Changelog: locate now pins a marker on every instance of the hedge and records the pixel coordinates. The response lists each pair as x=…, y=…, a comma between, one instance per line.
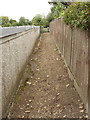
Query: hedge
x=78, y=15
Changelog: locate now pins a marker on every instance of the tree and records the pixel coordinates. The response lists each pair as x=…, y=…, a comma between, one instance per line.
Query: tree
x=4, y=21
x=37, y=20
x=13, y=22
x=24, y=21
x=30, y=23
x=44, y=22
x=7, y=25
x=27, y=22
x=49, y=17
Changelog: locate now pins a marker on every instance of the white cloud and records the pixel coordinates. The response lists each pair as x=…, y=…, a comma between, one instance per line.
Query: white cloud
x=27, y=8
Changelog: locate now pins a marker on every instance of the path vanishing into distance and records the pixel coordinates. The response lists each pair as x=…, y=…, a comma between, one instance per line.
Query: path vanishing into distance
x=48, y=91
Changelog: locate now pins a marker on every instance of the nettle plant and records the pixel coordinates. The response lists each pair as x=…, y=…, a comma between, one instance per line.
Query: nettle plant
x=78, y=15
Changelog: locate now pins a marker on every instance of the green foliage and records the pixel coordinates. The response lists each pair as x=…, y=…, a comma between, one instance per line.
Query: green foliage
x=4, y=21
x=44, y=22
x=7, y=25
x=78, y=15
x=37, y=20
x=23, y=21
x=44, y=30
x=57, y=11
x=49, y=17
x=13, y=22
x=40, y=20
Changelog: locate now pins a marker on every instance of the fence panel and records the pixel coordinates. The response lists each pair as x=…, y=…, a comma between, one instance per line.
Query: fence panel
x=73, y=45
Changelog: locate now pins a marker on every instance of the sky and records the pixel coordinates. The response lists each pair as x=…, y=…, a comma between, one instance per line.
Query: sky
x=26, y=8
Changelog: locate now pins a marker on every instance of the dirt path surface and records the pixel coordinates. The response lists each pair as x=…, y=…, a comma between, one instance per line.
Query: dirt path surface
x=48, y=92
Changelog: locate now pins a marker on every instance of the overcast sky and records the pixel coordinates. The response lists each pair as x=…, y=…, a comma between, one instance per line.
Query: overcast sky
x=28, y=8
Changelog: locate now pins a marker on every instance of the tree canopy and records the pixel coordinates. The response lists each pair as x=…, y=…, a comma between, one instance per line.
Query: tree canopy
x=40, y=20
x=6, y=22
x=24, y=21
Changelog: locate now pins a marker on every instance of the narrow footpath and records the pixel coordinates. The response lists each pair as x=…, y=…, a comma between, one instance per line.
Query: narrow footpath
x=48, y=91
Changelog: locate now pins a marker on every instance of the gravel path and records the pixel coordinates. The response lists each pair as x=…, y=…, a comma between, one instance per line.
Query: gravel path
x=48, y=92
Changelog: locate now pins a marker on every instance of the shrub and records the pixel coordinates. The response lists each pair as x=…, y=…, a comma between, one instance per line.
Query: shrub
x=57, y=11
x=78, y=15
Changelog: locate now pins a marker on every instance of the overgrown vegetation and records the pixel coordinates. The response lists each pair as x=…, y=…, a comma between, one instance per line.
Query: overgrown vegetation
x=78, y=15
x=40, y=20
x=58, y=10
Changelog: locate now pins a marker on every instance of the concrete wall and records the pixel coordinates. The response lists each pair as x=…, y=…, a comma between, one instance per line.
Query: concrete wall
x=14, y=52
x=74, y=47
x=0, y=81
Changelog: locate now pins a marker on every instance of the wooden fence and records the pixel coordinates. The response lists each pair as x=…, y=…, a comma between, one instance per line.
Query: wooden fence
x=74, y=47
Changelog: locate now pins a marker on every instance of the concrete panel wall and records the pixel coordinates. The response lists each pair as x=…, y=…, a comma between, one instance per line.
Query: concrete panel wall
x=6, y=31
x=14, y=52
x=73, y=45
x=0, y=82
